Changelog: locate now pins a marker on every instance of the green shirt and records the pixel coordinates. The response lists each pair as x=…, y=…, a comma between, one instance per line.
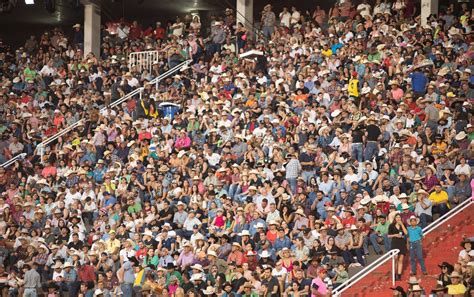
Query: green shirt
x=382, y=229
x=136, y=208
x=29, y=74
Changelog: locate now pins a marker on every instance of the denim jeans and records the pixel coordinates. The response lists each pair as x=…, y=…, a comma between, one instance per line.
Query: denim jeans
x=307, y=175
x=357, y=150
x=347, y=256
x=441, y=208
x=267, y=31
x=425, y=220
x=416, y=251
x=359, y=253
x=234, y=190
x=371, y=150
x=386, y=242
x=293, y=184
x=127, y=290
x=30, y=292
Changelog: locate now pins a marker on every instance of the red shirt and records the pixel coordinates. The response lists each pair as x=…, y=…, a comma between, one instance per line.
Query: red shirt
x=140, y=254
x=159, y=33
x=349, y=221
x=86, y=273
x=135, y=32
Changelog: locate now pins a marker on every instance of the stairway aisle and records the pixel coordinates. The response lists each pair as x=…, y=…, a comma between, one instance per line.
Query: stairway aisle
x=442, y=244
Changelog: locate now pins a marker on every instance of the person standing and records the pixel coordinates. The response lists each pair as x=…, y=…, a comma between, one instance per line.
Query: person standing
x=32, y=281
x=397, y=232
x=268, y=21
x=415, y=235
x=293, y=169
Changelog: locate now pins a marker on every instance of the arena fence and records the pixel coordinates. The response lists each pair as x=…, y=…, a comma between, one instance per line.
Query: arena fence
x=143, y=60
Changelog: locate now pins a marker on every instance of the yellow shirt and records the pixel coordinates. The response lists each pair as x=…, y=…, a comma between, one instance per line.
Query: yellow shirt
x=353, y=88
x=112, y=245
x=439, y=197
x=327, y=52
x=456, y=289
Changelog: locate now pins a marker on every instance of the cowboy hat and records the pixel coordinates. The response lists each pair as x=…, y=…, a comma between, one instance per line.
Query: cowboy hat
x=209, y=290
x=300, y=212
x=421, y=192
x=455, y=274
x=460, y=136
x=416, y=288
x=414, y=218
x=413, y=280
x=197, y=267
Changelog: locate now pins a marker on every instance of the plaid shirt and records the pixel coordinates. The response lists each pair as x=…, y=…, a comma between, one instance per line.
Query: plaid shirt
x=293, y=168
x=41, y=259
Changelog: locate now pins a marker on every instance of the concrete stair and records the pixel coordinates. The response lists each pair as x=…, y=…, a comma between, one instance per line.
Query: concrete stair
x=442, y=244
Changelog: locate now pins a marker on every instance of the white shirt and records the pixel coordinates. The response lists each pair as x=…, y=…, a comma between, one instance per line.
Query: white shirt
x=285, y=18
x=69, y=198
x=463, y=168
x=213, y=159
x=295, y=17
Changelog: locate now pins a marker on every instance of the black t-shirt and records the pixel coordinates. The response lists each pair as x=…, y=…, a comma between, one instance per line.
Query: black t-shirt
x=166, y=212
x=78, y=245
x=271, y=284
x=305, y=157
x=357, y=135
x=304, y=282
x=373, y=132
x=238, y=283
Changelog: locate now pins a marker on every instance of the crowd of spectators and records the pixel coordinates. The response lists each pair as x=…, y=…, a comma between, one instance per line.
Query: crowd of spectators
x=338, y=134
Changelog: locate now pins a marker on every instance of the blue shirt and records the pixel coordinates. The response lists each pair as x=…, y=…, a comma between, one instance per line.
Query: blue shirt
x=418, y=81
x=281, y=243
x=415, y=234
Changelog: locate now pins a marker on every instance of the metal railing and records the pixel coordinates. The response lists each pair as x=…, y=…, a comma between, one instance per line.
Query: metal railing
x=13, y=160
x=368, y=269
x=135, y=92
x=460, y=207
x=143, y=60
x=384, y=258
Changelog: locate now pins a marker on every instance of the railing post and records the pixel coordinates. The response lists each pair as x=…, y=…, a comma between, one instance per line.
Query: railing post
x=393, y=269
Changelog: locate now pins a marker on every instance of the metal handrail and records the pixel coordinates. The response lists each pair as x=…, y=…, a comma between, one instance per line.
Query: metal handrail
x=460, y=207
x=13, y=160
x=116, y=102
x=383, y=259
x=71, y=127
x=368, y=269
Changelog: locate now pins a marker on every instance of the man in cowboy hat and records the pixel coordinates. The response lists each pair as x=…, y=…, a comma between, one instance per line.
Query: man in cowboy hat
x=423, y=208
x=456, y=288
x=439, y=198
x=415, y=236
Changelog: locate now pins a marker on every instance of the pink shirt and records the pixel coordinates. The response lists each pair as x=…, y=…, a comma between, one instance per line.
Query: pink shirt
x=322, y=287
x=183, y=142
x=397, y=94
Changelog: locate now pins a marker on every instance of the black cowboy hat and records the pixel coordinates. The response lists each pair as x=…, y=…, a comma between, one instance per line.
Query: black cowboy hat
x=466, y=240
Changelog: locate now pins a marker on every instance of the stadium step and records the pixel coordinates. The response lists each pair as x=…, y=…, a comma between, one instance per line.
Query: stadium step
x=442, y=244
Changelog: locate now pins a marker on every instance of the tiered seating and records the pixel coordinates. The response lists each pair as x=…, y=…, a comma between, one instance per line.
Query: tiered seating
x=442, y=244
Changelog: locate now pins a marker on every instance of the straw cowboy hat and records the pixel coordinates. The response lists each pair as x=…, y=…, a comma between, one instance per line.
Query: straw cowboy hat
x=416, y=288
x=455, y=274
x=209, y=290
x=413, y=280
x=300, y=212
x=414, y=218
